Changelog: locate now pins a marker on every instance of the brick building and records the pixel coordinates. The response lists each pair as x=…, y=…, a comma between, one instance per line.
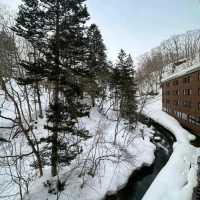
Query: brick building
x=181, y=97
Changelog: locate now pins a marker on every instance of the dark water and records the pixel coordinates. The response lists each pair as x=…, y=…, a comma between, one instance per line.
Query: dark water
x=141, y=179
x=196, y=142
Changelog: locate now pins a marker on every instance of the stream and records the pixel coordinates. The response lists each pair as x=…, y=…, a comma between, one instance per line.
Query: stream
x=141, y=179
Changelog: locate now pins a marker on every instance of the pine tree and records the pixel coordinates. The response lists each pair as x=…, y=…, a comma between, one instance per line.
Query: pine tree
x=96, y=62
x=118, y=79
x=130, y=89
x=55, y=28
x=127, y=87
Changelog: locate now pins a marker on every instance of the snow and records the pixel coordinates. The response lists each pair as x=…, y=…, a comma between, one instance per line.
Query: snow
x=179, y=176
x=183, y=72
x=114, y=171
x=153, y=109
x=130, y=152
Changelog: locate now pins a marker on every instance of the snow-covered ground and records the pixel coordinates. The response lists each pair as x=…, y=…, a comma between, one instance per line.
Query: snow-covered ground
x=178, y=178
x=131, y=150
x=115, y=162
x=10, y=175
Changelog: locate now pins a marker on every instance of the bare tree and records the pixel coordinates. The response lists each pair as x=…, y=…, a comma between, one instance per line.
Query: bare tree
x=21, y=122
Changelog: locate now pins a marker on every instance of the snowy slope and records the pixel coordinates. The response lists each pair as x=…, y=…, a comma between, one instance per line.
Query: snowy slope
x=9, y=185
x=113, y=173
x=117, y=161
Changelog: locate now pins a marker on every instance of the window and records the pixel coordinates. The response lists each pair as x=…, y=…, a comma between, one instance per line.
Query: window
x=168, y=84
x=195, y=120
x=175, y=82
x=199, y=91
x=177, y=92
x=189, y=119
x=184, y=116
x=187, y=79
x=198, y=120
x=199, y=106
x=179, y=114
x=163, y=92
x=187, y=104
x=175, y=103
x=187, y=91
x=199, y=76
x=168, y=101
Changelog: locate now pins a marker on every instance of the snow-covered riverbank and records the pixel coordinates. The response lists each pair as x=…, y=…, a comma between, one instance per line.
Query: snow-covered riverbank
x=113, y=173
x=178, y=178
x=117, y=161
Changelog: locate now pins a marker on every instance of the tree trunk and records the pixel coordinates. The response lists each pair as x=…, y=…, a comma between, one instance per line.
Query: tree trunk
x=39, y=100
x=54, y=150
x=54, y=156
x=93, y=101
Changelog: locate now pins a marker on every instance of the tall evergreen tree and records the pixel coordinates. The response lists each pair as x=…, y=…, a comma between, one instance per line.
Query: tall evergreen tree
x=96, y=62
x=127, y=86
x=56, y=28
x=129, y=89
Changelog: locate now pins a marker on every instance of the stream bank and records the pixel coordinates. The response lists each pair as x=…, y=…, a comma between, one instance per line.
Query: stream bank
x=141, y=179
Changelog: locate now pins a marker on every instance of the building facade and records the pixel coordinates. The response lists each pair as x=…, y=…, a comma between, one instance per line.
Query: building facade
x=181, y=98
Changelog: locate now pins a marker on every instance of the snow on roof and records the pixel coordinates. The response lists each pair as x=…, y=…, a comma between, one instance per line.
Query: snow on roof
x=189, y=70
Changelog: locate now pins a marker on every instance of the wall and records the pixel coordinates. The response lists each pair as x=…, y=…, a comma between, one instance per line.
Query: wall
x=181, y=99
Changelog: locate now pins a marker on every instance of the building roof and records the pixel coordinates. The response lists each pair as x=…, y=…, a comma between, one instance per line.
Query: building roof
x=183, y=72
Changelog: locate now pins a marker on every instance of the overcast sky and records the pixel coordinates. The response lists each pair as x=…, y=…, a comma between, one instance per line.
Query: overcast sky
x=139, y=25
